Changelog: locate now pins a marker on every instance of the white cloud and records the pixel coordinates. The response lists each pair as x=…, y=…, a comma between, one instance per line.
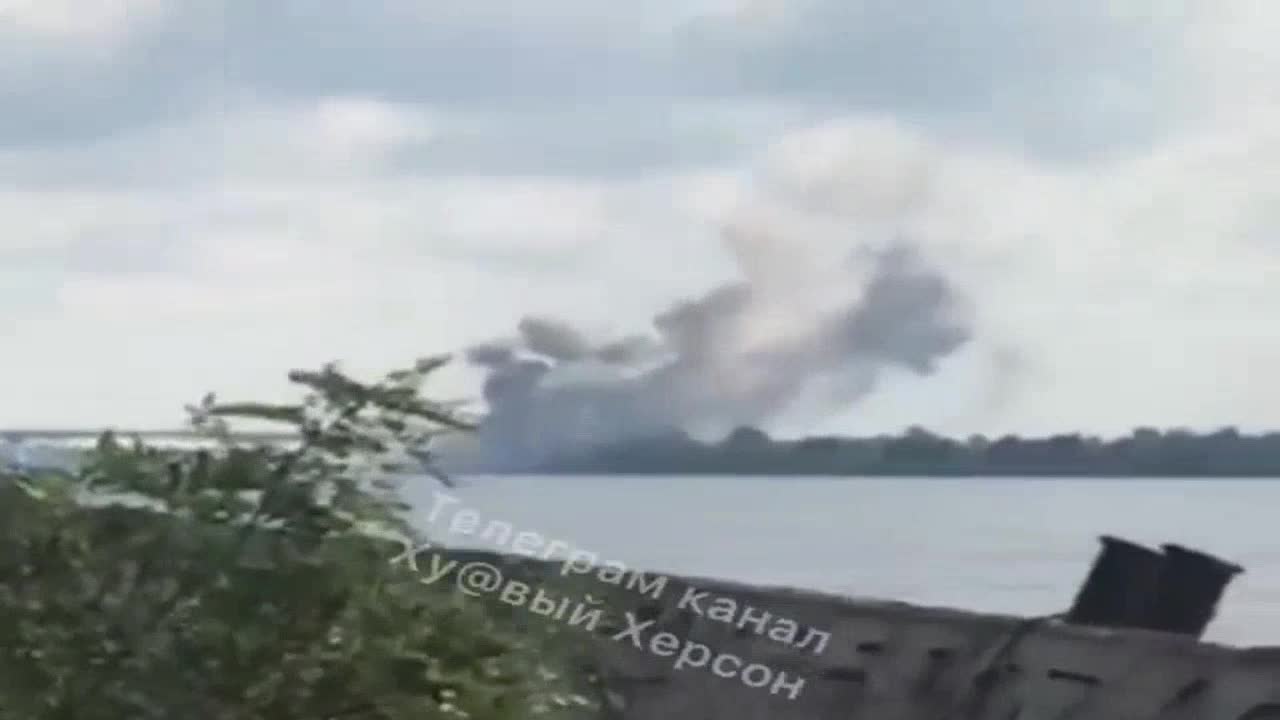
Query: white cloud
x=75, y=21
x=1132, y=286
x=367, y=125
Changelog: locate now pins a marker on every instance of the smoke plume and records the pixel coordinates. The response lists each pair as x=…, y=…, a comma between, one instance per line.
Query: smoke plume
x=741, y=354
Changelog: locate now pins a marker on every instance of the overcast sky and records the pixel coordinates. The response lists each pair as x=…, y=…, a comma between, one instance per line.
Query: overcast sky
x=202, y=194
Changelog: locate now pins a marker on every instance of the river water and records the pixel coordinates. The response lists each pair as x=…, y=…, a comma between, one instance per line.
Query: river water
x=999, y=545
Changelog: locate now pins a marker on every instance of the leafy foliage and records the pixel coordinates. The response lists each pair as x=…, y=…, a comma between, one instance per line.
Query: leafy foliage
x=252, y=581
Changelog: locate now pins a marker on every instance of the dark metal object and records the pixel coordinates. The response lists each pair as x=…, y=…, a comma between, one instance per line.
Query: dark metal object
x=1191, y=584
x=1120, y=587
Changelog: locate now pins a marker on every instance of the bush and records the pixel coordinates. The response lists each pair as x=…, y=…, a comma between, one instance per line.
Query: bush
x=252, y=580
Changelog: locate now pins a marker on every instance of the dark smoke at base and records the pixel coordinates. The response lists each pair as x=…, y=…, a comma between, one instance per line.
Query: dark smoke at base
x=553, y=393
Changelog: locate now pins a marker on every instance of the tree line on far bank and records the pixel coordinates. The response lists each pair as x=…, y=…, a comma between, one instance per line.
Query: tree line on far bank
x=1146, y=452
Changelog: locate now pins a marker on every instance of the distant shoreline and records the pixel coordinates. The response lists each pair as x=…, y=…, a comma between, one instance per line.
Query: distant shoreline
x=1145, y=453
x=871, y=476
x=916, y=453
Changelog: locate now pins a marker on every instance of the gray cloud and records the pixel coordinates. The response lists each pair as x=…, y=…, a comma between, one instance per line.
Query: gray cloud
x=554, y=339
x=58, y=93
x=632, y=350
x=1062, y=78
x=547, y=393
x=1060, y=75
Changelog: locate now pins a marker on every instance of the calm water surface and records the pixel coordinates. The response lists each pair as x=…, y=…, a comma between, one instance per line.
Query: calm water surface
x=999, y=545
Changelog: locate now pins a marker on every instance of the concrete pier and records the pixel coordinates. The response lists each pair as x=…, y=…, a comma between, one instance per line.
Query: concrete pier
x=892, y=661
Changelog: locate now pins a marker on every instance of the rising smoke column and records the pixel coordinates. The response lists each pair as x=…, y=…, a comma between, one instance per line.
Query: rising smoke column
x=706, y=367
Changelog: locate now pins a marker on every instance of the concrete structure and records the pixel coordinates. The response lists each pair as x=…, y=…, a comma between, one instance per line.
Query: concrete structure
x=892, y=661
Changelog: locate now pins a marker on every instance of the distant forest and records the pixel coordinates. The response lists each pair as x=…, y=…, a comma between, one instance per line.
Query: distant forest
x=917, y=452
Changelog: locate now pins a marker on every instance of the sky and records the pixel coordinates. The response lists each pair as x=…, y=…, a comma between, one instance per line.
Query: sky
x=200, y=195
